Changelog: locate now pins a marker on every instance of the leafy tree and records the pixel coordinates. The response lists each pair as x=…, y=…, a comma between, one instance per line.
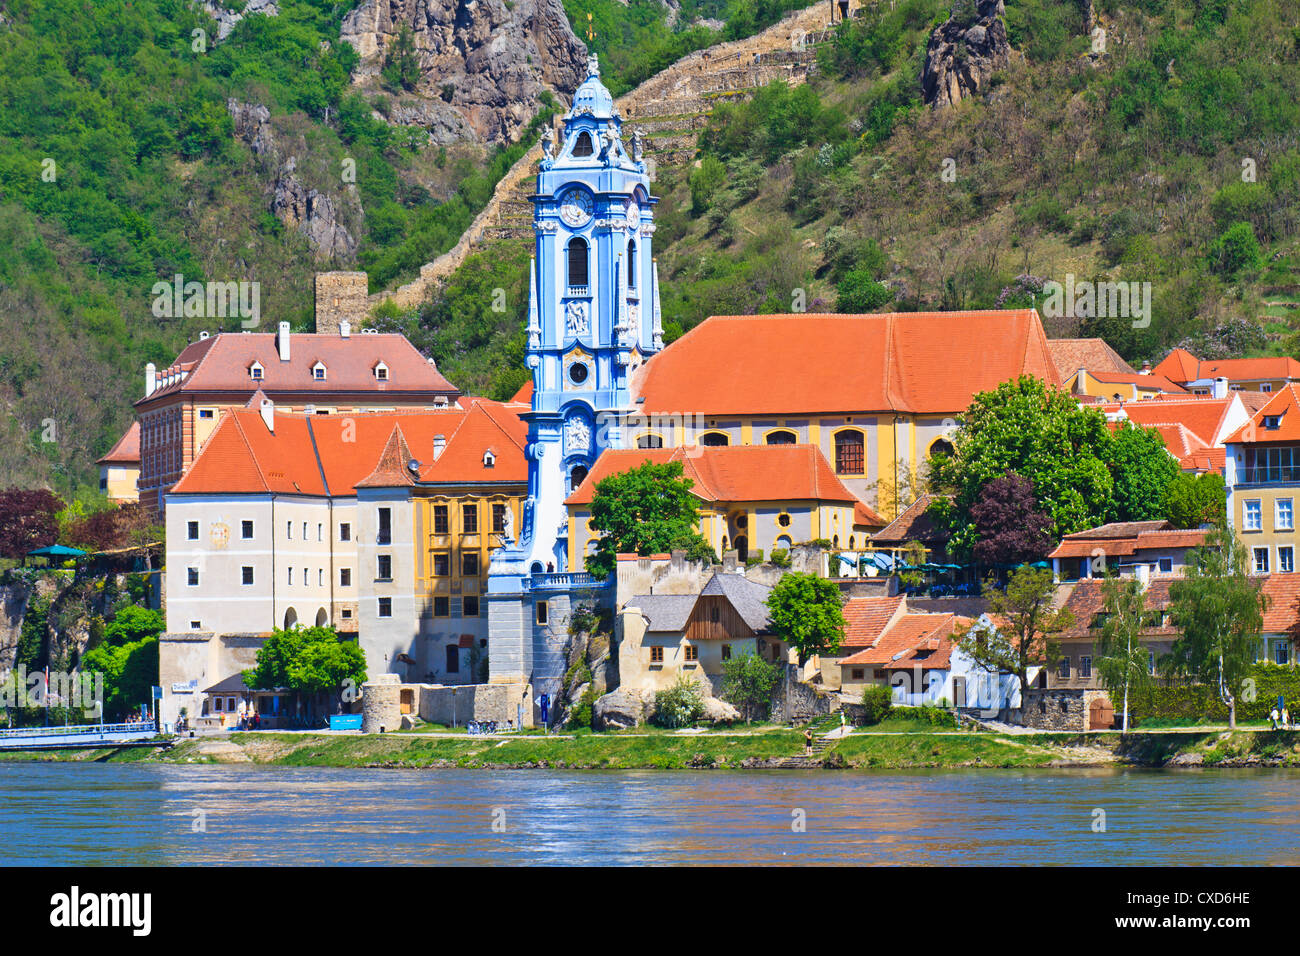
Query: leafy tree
x=877, y=702
x=1012, y=528
x=28, y=520
x=859, y=292
x=1236, y=250
x=705, y=181
x=647, y=510
x=132, y=624
x=747, y=682
x=129, y=671
x=1031, y=624
x=1193, y=500
x=306, y=660
x=1121, y=657
x=401, y=65
x=807, y=612
x=1142, y=469
x=1220, y=612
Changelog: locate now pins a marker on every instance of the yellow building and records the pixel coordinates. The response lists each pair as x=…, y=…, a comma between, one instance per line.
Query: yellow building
x=1121, y=386
x=119, y=470
x=1262, y=473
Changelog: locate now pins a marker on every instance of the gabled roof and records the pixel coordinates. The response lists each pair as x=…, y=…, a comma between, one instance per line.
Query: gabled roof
x=867, y=617
x=905, y=635
x=914, y=524
x=665, y=612
x=1285, y=406
x=1179, y=365
x=671, y=612
x=127, y=449
x=220, y=363
x=1282, y=613
x=1149, y=381
x=864, y=516
x=1095, y=355
x=1203, y=415
x=1183, y=367
x=1163, y=537
x=919, y=362
x=731, y=472
x=334, y=454
x=1086, y=600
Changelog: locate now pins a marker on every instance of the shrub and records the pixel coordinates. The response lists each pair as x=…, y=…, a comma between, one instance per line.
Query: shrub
x=679, y=706
x=584, y=711
x=1236, y=250
x=780, y=557
x=858, y=292
x=877, y=702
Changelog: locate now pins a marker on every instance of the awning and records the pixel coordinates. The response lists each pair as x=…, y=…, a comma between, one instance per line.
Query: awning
x=56, y=551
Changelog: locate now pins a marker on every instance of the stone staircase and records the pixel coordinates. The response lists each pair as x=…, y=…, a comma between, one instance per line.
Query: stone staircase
x=670, y=108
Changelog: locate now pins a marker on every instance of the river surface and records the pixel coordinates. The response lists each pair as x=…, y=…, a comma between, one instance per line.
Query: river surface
x=143, y=814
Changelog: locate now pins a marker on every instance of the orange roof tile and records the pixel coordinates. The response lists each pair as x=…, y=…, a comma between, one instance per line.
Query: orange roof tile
x=913, y=524
x=1179, y=365
x=1095, y=355
x=866, y=619
x=127, y=449
x=1285, y=406
x=922, y=362
x=1150, y=381
x=1182, y=366
x=732, y=472
x=864, y=516
x=1283, y=611
x=905, y=634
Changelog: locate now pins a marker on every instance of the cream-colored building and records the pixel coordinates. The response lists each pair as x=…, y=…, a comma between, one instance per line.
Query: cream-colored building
x=119, y=470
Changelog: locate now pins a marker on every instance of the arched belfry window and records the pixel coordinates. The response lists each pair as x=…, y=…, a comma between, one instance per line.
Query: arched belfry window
x=578, y=262
x=631, y=264
x=582, y=145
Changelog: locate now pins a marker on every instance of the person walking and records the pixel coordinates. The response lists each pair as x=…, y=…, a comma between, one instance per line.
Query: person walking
x=1286, y=719
x=1272, y=718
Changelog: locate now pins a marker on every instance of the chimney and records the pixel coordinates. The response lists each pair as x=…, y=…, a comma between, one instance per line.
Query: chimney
x=283, y=341
x=345, y=329
x=150, y=379
x=1146, y=367
x=268, y=414
x=1220, y=387
x=439, y=445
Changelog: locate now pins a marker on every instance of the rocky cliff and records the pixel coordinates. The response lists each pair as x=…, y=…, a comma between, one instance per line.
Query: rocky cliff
x=482, y=62
x=963, y=53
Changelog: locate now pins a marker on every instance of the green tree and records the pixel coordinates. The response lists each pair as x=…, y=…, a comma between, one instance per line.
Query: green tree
x=1194, y=500
x=1032, y=623
x=1142, y=470
x=1121, y=657
x=858, y=292
x=704, y=182
x=129, y=672
x=307, y=660
x=133, y=623
x=1220, y=612
x=647, y=510
x=747, y=682
x=807, y=612
x=401, y=65
x=1236, y=250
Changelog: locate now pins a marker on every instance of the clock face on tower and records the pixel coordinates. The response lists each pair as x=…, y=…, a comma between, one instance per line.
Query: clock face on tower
x=633, y=215
x=575, y=207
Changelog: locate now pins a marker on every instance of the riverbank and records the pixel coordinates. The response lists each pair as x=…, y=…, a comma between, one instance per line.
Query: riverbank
x=736, y=750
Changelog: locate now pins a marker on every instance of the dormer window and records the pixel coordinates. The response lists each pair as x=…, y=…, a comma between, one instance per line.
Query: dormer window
x=381, y=372
x=255, y=371
x=582, y=145
x=318, y=372
x=1272, y=422
x=489, y=458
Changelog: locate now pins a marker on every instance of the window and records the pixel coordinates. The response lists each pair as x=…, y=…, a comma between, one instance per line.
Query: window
x=256, y=372
x=304, y=531
x=631, y=264
x=578, y=373
x=453, y=659
x=1085, y=665
x=196, y=625
x=781, y=438
x=247, y=572
x=1285, y=515
x=582, y=145
x=1261, y=560
x=849, y=453
x=858, y=673
x=290, y=570
x=194, y=577
x=216, y=705
x=441, y=606
x=498, y=518
x=469, y=518
x=385, y=607
x=345, y=577
x=650, y=441
x=192, y=531
x=578, y=263
x=288, y=530
x=246, y=529
x=320, y=531
x=1281, y=652
x=726, y=652
x=1251, y=515
x=471, y=605
x=439, y=519
x=305, y=580
x=346, y=614
x=1286, y=559
x=469, y=564
x=441, y=565
x=381, y=372
x=1064, y=670
x=345, y=531
x=318, y=372
x=715, y=440
x=541, y=612
x=385, y=567
x=692, y=652
x=656, y=655
x=385, y=535
x=205, y=413
x=1166, y=565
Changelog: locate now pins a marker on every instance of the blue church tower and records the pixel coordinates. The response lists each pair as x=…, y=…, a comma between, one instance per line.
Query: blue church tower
x=593, y=317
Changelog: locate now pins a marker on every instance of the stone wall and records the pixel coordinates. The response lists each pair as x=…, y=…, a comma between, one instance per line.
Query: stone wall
x=381, y=707
x=1059, y=708
x=794, y=701
x=339, y=296
x=456, y=705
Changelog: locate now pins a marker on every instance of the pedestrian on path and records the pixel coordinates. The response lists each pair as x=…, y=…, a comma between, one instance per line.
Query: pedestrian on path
x=1286, y=719
x=1272, y=717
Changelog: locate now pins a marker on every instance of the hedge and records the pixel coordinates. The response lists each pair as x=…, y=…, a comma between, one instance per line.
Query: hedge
x=1192, y=702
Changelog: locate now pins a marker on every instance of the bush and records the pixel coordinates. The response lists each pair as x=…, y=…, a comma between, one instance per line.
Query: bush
x=780, y=557
x=1236, y=250
x=1190, y=703
x=679, y=706
x=858, y=292
x=877, y=702
x=584, y=711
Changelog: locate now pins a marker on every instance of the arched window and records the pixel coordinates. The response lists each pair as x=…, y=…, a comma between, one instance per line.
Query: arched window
x=578, y=263
x=715, y=439
x=849, y=458
x=577, y=477
x=290, y=618
x=321, y=618
x=582, y=145
x=941, y=446
x=631, y=264
x=650, y=441
x=783, y=542
x=781, y=438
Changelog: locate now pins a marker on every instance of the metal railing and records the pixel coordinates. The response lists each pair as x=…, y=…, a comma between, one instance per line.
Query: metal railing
x=560, y=580
x=1270, y=474
x=95, y=729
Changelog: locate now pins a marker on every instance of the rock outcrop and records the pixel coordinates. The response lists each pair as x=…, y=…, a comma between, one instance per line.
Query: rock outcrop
x=621, y=709
x=227, y=18
x=482, y=62
x=718, y=711
x=316, y=214
x=963, y=54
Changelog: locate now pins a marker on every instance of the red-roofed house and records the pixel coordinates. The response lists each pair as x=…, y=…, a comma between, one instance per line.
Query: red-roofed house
x=753, y=498
x=878, y=394
x=1266, y=374
x=320, y=373
x=381, y=524
x=1262, y=473
x=1122, y=386
x=1143, y=549
x=119, y=470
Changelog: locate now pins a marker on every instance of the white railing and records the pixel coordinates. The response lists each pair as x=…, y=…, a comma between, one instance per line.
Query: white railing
x=76, y=729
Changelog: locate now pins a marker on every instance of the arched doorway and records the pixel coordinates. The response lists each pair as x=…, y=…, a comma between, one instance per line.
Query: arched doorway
x=290, y=618
x=322, y=618
x=742, y=547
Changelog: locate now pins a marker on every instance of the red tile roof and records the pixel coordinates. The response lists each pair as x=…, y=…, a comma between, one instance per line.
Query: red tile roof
x=1182, y=366
x=127, y=449
x=732, y=472
x=864, y=516
x=1202, y=415
x=866, y=619
x=906, y=634
x=1285, y=405
x=308, y=453
x=921, y=362
x=1179, y=365
x=1095, y=355
x=1151, y=381
x=1086, y=600
x=913, y=524
x=1283, y=611
x=221, y=362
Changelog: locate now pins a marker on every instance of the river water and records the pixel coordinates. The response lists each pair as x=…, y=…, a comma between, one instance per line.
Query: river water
x=155, y=814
